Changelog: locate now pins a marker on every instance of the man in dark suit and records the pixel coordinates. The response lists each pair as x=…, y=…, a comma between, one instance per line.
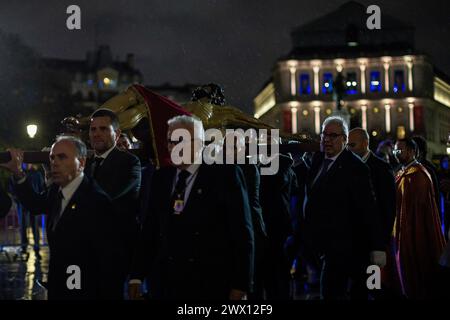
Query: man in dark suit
x=340, y=224
x=276, y=193
x=382, y=178
x=118, y=173
x=234, y=144
x=79, y=225
x=5, y=203
x=383, y=182
x=198, y=237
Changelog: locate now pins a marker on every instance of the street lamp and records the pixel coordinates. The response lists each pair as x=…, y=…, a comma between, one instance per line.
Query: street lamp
x=32, y=130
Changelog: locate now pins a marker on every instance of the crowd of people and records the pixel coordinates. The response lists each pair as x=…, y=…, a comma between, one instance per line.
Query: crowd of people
x=218, y=232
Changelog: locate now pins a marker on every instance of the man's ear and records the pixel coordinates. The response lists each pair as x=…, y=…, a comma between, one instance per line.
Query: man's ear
x=82, y=163
x=118, y=132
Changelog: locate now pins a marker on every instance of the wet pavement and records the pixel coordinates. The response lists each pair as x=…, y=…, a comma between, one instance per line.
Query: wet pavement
x=22, y=273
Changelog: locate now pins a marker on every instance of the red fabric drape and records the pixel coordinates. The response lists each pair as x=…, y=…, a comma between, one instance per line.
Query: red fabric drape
x=160, y=110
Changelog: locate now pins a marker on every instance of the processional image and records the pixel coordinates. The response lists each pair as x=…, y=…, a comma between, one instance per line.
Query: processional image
x=143, y=115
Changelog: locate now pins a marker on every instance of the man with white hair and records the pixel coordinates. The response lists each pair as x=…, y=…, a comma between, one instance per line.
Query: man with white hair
x=198, y=237
x=340, y=223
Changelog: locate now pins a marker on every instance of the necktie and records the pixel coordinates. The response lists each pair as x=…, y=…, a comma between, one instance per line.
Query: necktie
x=96, y=165
x=179, y=191
x=56, y=212
x=326, y=163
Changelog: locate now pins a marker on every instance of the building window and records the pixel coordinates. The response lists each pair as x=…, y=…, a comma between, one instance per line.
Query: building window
x=375, y=82
x=351, y=84
x=327, y=86
x=399, y=81
x=305, y=85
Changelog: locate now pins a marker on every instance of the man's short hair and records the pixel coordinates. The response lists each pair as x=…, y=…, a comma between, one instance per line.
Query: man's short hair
x=339, y=121
x=189, y=121
x=80, y=147
x=363, y=133
x=103, y=112
x=410, y=144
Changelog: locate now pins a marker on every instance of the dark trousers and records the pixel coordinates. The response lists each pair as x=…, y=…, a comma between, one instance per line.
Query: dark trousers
x=343, y=278
x=277, y=276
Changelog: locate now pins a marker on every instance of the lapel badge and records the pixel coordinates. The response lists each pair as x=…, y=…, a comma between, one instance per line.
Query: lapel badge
x=199, y=191
x=74, y=206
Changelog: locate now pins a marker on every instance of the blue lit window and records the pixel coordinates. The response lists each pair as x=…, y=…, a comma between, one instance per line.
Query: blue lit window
x=90, y=82
x=327, y=86
x=305, y=86
x=399, y=81
x=351, y=84
x=375, y=81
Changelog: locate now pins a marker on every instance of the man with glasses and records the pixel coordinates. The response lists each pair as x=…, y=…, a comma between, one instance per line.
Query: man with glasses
x=418, y=239
x=340, y=224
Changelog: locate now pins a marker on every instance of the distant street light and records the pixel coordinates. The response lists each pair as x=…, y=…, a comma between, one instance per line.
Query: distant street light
x=32, y=130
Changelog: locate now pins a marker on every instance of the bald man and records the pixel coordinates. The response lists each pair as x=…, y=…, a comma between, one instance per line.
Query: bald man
x=382, y=178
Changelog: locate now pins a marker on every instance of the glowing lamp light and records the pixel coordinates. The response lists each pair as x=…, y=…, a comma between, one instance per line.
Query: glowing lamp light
x=32, y=130
x=106, y=81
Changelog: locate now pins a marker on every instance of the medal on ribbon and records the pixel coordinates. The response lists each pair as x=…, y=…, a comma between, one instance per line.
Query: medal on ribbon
x=178, y=206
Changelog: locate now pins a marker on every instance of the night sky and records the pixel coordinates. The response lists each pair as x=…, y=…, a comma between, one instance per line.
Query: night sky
x=234, y=43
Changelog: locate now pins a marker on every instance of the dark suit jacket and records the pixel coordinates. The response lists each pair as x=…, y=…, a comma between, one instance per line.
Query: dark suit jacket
x=5, y=203
x=275, y=196
x=120, y=177
x=83, y=237
x=209, y=248
x=340, y=217
x=384, y=186
x=252, y=182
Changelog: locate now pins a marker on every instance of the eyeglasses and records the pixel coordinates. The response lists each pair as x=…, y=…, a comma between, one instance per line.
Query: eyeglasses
x=351, y=145
x=396, y=151
x=330, y=136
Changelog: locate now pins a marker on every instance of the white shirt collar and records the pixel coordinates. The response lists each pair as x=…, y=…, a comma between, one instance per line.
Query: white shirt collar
x=70, y=189
x=106, y=153
x=365, y=157
x=335, y=157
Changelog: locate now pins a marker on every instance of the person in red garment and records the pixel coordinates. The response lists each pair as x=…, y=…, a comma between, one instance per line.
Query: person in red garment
x=418, y=241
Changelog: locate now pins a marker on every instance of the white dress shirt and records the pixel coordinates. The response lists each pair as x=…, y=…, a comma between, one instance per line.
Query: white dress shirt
x=105, y=154
x=365, y=157
x=69, y=190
